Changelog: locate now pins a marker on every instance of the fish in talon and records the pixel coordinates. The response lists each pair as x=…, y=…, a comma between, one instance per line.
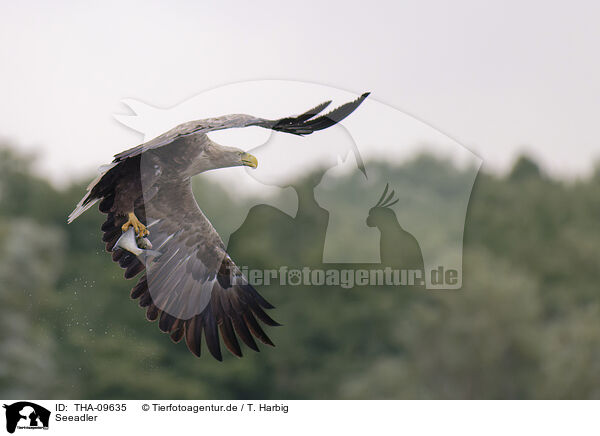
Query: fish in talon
x=140, y=247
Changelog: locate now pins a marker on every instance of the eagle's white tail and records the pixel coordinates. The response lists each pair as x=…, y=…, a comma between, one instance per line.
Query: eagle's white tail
x=87, y=202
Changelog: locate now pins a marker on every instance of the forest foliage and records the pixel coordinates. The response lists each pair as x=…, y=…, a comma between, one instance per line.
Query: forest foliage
x=526, y=323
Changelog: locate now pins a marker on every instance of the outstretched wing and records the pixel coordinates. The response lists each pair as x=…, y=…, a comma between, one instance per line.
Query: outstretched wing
x=303, y=124
x=193, y=288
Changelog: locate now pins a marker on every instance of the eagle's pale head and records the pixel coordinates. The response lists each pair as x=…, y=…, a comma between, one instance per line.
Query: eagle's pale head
x=216, y=156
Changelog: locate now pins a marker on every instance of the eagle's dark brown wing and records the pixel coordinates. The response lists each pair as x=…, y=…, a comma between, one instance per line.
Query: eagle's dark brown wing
x=193, y=288
x=303, y=124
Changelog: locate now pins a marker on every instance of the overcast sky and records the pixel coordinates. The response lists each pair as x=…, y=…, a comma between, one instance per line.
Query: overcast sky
x=498, y=78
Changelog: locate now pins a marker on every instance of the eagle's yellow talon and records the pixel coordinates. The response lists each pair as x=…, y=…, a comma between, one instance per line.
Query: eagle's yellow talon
x=132, y=221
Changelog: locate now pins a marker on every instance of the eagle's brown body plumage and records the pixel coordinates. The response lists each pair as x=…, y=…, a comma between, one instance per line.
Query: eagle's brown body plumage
x=192, y=288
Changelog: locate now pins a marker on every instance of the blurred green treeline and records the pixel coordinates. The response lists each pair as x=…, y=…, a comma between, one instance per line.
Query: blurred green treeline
x=525, y=325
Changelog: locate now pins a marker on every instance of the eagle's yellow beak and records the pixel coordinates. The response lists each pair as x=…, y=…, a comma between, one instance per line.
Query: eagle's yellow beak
x=249, y=160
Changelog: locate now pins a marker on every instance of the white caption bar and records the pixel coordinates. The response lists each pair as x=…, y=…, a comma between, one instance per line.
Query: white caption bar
x=298, y=417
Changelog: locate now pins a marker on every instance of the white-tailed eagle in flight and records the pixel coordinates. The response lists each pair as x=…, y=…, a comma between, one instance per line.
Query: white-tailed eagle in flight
x=155, y=226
